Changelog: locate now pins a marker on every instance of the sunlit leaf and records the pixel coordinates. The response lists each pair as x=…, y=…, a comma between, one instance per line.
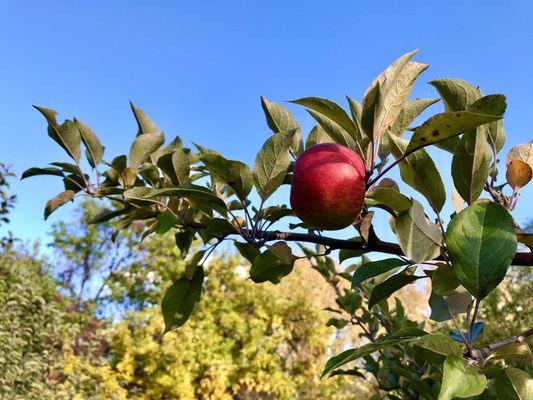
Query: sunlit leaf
x=457, y=94
x=461, y=379
x=95, y=150
x=470, y=165
x=514, y=384
x=272, y=163
x=375, y=268
x=404, y=335
x=419, y=172
x=235, y=174
x=435, y=347
x=419, y=238
x=385, y=289
x=66, y=135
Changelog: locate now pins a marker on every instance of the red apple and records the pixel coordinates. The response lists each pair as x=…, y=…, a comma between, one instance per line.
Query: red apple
x=328, y=186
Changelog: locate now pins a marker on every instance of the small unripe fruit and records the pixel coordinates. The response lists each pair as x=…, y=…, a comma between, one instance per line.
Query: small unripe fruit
x=328, y=187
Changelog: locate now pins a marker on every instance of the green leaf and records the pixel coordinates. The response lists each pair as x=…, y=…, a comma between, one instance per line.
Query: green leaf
x=337, y=323
x=184, y=240
x=513, y=351
x=435, y=347
x=334, y=130
x=470, y=165
x=461, y=379
x=385, y=289
x=247, y=250
x=175, y=165
x=316, y=136
x=419, y=238
x=145, y=124
x=220, y=227
x=332, y=111
x=387, y=198
x=481, y=241
x=201, y=197
x=106, y=215
x=57, y=201
x=369, y=106
x=165, y=221
x=67, y=167
x=377, y=92
x=279, y=119
x=345, y=254
x=446, y=125
x=399, y=337
x=513, y=384
x=272, y=163
x=272, y=264
x=495, y=135
x=408, y=113
x=394, y=96
x=233, y=173
x=443, y=279
x=180, y=299
x=95, y=150
x=375, y=268
x=139, y=194
x=143, y=146
x=74, y=182
x=443, y=307
x=356, y=109
x=192, y=264
x=275, y=213
x=492, y=104
x=457, y=94
x=41, y=171
x=66, y=135
x=419, y=172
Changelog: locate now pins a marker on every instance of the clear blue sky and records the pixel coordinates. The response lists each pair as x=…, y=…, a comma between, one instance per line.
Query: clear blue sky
x=198, y=69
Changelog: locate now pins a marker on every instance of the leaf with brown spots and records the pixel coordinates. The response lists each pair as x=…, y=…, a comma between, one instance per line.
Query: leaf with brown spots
x=446, y=125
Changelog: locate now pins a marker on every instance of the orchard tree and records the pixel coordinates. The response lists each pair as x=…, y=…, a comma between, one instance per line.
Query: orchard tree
x=338, y=179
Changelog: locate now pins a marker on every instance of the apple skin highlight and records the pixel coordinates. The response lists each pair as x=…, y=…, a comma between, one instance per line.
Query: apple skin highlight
x=328, y=187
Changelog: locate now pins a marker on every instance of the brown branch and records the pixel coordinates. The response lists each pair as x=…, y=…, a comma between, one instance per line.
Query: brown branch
x=485, y=352
x=374, y=244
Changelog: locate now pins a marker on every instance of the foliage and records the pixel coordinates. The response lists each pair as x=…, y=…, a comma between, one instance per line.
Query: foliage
x=7, y=201
x=288, y=326
x=37, y=329
x=87, y=262
x=201, y=196
x=243, y=342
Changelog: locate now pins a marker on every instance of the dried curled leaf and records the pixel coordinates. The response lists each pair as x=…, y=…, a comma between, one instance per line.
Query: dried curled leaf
x=518, y=173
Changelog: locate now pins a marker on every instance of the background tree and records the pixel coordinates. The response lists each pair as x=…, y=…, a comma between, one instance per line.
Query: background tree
x=202, y=196
x=246, y=341
x=7, y=202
